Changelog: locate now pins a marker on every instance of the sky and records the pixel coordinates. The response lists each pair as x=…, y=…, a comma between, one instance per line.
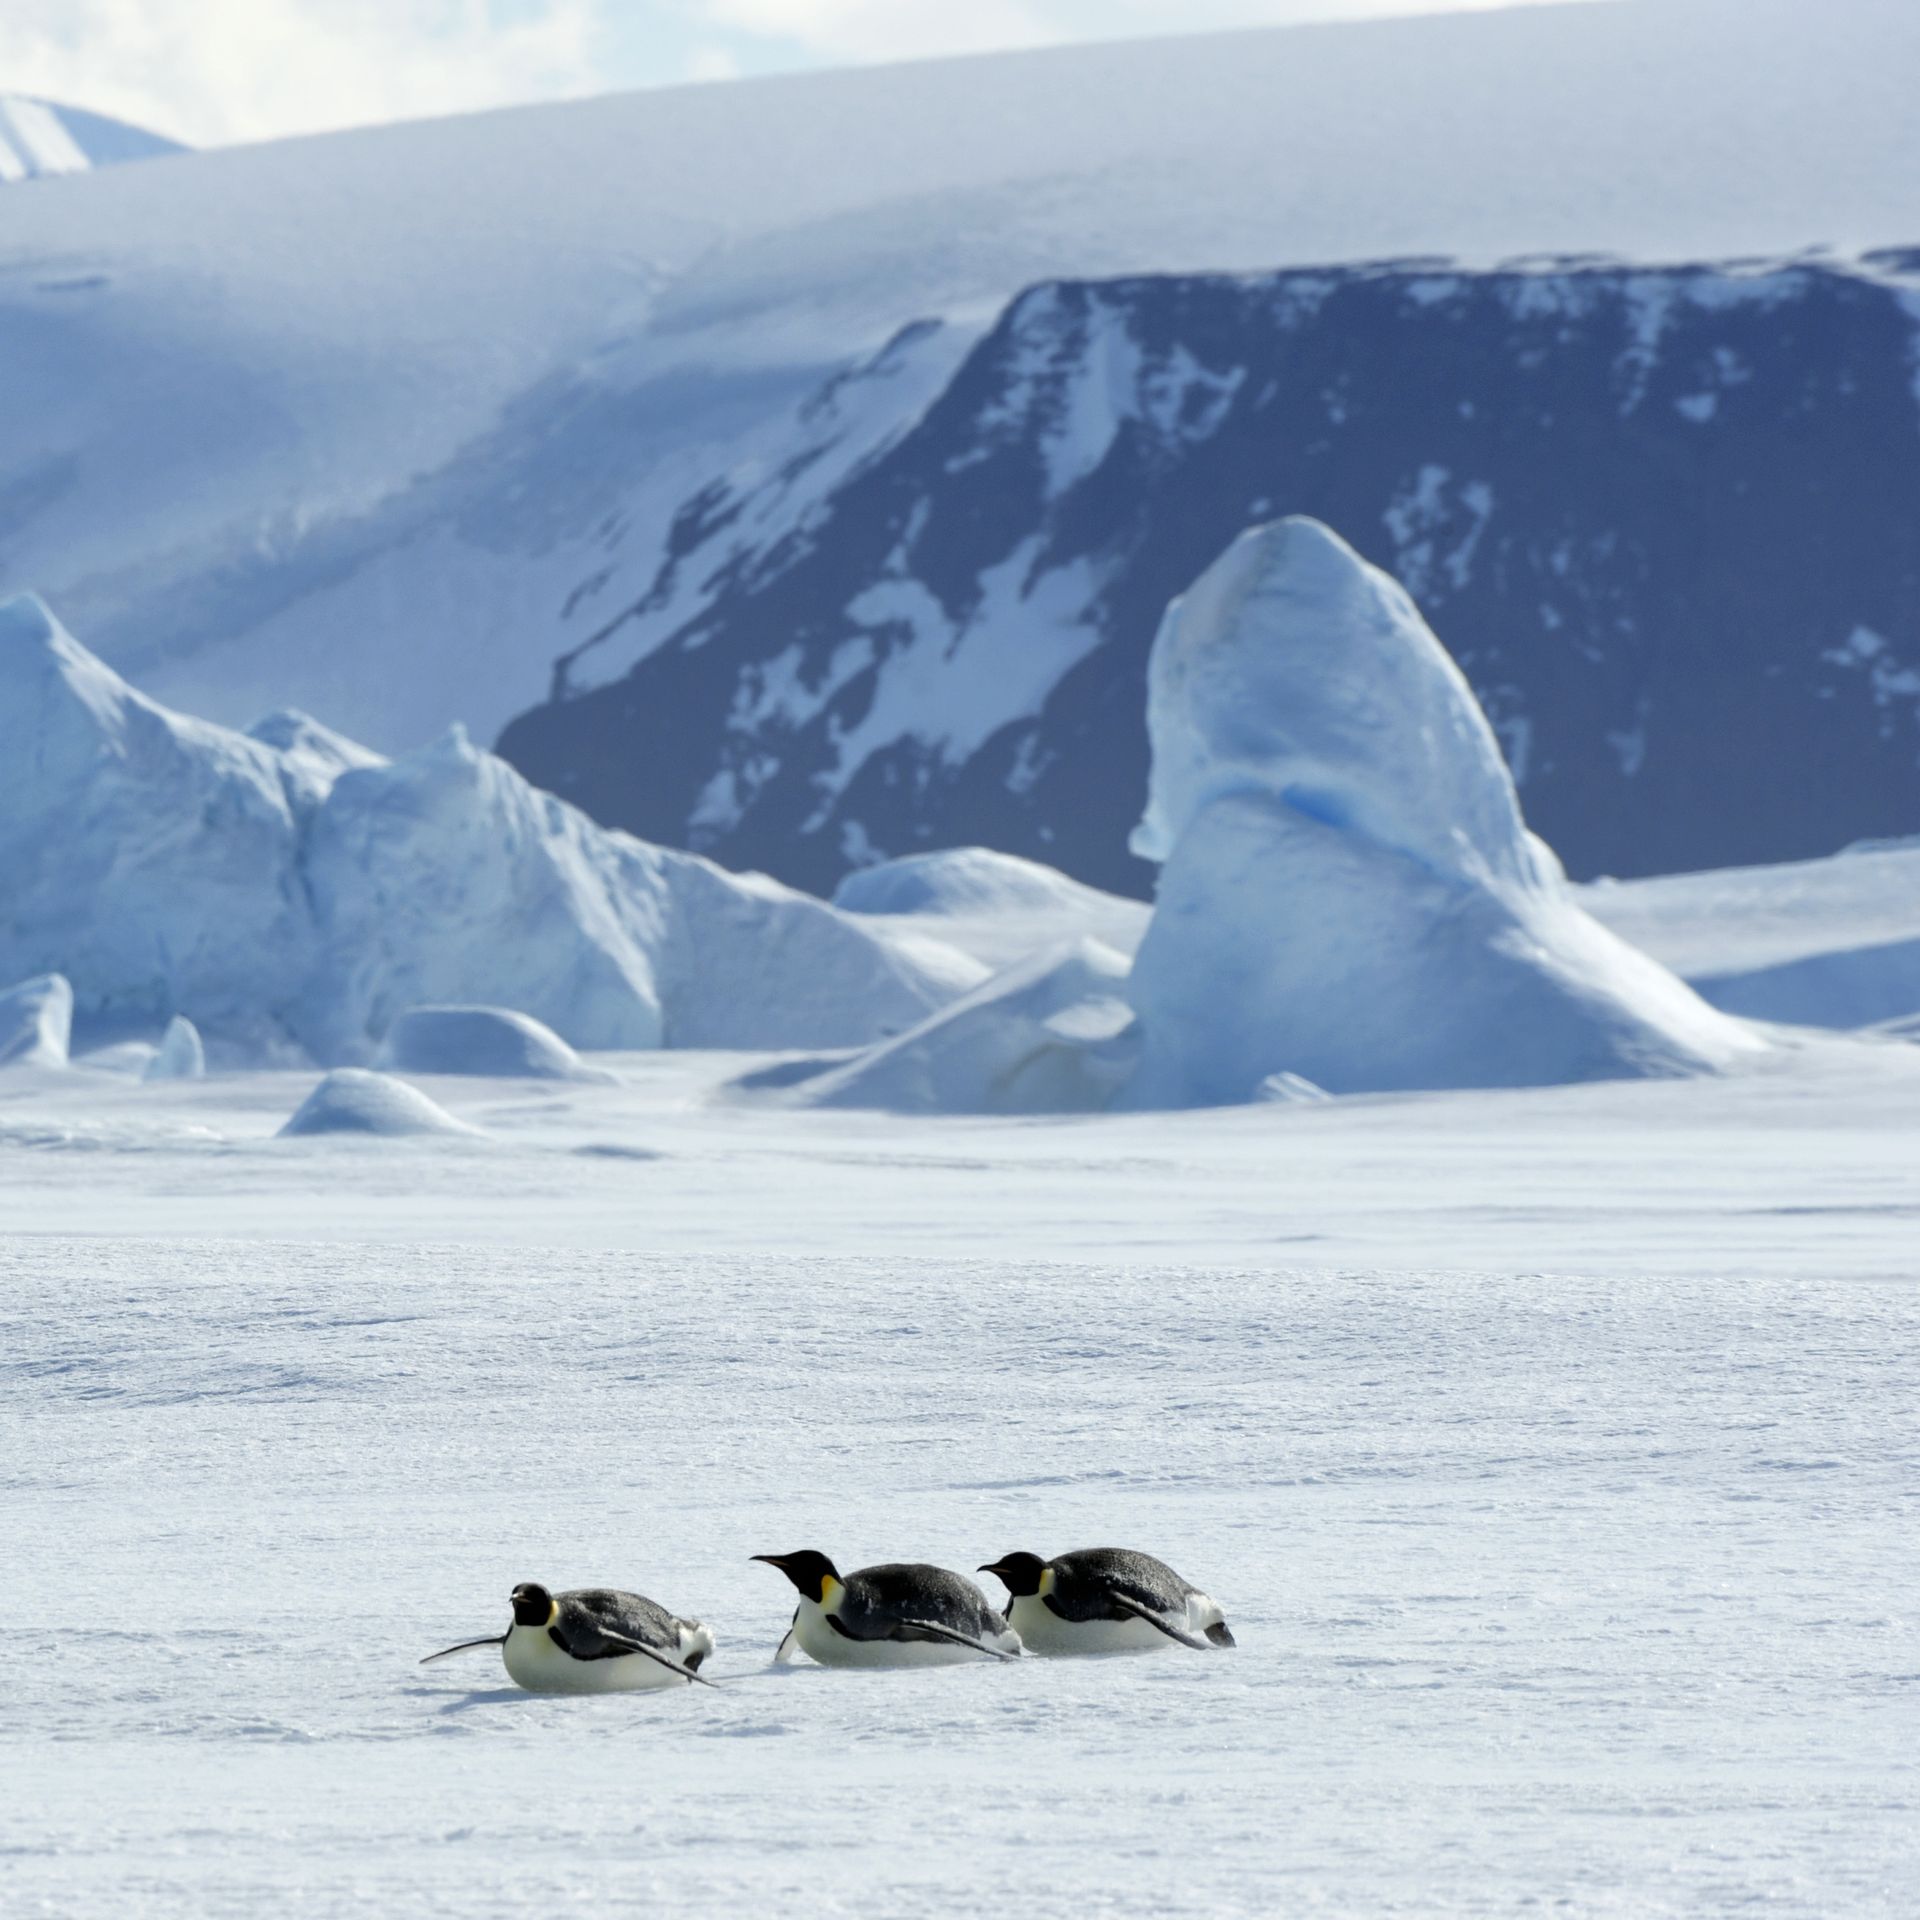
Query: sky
x=214, y=71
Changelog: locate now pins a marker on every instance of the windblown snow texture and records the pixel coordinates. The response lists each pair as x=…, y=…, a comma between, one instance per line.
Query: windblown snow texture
x=309, y=893
x=1668, y=520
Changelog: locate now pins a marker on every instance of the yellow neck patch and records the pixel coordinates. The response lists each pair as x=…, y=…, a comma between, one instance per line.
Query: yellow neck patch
x=829, y=1586
x=1046, y=1583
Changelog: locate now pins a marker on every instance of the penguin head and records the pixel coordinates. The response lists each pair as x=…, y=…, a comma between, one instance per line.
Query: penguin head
x=532, y=1604
x=814, y=1576
x=1021, y=1572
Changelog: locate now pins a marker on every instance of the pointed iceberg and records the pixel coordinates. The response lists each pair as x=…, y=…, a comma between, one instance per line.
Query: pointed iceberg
x=1348, y=890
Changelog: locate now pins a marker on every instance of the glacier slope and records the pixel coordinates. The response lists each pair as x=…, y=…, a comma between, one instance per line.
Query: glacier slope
x=417, y=358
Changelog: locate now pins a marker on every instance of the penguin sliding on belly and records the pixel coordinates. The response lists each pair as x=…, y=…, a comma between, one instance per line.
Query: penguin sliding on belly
x=594, y=1640
x=889, y=1616
x=1106, y=1600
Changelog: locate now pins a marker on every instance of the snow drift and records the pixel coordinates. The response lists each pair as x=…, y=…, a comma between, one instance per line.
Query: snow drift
x=36, y=1023
x=480, y=1040
x=1053, y=1034
x=295, y=888
x=995, y=906
x=1348, y=892
x=353, y=1100
x=1817, y=943
x=963, y=880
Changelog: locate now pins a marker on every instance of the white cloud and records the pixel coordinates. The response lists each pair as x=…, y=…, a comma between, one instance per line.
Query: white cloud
x=217, y=70
x=211, y=71
x=713, y=63
x=888, y=29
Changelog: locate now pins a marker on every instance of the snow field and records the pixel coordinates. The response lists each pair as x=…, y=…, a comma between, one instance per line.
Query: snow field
x=1548, y=1588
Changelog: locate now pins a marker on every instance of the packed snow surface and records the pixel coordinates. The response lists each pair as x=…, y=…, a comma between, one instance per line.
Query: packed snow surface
x=292, y=889
x=428, y=367
x=1551, y=1452
x=1348, y=891
x=36, y=1022
x=354, y=1100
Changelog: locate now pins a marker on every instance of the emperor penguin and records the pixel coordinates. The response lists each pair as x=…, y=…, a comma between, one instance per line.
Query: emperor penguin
x=594, y=1640
x=1106, y=1600
x=904, y=1615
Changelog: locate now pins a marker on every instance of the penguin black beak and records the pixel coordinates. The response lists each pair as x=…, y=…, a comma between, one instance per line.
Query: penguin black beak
x=772, y=1559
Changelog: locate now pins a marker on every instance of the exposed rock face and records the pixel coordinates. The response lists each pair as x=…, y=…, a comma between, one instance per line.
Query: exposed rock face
x=1668, y=521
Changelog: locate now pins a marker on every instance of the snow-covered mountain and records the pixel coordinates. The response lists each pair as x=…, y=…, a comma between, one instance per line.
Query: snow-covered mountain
x=346, y=423
x=1667, y=521
x=37, y=137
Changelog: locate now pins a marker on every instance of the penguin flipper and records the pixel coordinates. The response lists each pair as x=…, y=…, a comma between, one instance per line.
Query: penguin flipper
x=929, y=1630
x=659, y=1659
x=466, y=1646
x=783, y=1653
x=1158, y=1620
x=596, y=1643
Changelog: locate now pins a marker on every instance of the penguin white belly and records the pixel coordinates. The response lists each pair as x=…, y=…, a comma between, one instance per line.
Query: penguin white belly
x=819, y=1641
x=536, y=1663
x=1043, y=1631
